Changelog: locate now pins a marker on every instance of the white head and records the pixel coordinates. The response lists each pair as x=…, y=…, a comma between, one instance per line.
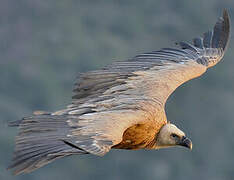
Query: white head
x=169, y=136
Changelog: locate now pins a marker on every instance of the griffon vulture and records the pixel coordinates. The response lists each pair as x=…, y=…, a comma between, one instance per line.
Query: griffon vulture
x=119, y=106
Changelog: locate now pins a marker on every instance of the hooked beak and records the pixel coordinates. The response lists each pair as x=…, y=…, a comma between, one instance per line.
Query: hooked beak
x=186, y=142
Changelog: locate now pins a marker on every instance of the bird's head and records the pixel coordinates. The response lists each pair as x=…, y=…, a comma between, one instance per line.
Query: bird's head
x=169, y=136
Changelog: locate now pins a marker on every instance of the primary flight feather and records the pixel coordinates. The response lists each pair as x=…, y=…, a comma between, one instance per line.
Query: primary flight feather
x=119, y=106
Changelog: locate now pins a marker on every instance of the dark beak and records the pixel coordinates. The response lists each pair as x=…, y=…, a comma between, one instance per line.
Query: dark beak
x=186, y=142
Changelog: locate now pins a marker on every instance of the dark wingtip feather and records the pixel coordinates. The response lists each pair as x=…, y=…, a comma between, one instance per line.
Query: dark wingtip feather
x=221, y=31
x=14, y=123
x=198, y=42
x=226, y=27
x=217, y=38
x=207, y=40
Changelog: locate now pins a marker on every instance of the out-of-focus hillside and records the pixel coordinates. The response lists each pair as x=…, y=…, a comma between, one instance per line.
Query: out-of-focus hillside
x=45, y=44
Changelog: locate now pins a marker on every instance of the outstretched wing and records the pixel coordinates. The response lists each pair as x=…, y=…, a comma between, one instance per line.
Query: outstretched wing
x=110, y=100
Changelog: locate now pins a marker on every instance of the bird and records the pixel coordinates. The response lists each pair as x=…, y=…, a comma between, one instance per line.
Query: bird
x=119, y=106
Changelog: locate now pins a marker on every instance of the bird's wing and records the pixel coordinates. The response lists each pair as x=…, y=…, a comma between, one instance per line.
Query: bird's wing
x=110, y=100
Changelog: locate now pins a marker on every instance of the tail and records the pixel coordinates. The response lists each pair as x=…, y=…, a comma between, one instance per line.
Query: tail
x=41, y=140
x=214, y=43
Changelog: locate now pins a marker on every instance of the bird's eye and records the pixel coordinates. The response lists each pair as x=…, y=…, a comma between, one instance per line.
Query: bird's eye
x=173, y=135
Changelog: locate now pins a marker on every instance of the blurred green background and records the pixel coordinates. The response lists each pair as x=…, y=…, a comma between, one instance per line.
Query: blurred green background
x=45, y=44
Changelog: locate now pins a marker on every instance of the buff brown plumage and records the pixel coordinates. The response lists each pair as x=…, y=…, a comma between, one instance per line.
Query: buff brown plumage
x=119, y=106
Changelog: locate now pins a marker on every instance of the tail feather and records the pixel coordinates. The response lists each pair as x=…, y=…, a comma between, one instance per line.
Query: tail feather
x=41, y=140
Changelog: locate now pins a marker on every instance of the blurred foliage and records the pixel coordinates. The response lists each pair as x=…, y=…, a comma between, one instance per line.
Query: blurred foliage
x=45, y=44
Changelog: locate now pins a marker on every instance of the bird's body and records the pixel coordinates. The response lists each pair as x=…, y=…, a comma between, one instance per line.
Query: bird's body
x=143, y=135
x=119, y=106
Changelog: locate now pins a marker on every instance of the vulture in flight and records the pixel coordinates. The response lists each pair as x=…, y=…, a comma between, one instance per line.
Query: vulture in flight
x=119, y=106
